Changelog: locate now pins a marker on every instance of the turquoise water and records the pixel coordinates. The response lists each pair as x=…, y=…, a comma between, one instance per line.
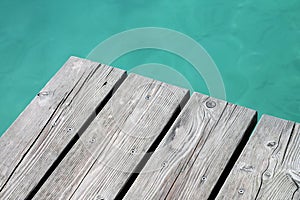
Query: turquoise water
x=254, y=43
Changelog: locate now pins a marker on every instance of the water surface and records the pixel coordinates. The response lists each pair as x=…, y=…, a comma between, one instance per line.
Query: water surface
x=254, y=43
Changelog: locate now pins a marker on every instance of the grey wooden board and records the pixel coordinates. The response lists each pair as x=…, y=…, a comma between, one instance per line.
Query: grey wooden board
x=63, y=107
x=191, y=157
x=269, y=166
x=100, y=163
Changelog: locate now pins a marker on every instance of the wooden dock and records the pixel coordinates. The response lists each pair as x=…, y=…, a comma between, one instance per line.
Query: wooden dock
x=95, y=133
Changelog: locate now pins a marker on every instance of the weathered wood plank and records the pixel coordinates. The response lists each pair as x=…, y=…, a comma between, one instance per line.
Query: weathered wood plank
x=193, y=154
x=269, y=166
x=52, y=121
x=101, y=162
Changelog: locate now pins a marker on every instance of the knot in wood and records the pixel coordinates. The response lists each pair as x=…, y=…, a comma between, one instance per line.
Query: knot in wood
x=43, y=93
x=267, y=174
x=271, y=144
x=211, y=104
x=164, y=164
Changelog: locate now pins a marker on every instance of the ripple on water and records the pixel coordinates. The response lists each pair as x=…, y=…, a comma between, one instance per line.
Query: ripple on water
x=221, y=47
x=280, y=90
x=237, y=87
x=252, y=63
x=12, y=52
x=288, y=86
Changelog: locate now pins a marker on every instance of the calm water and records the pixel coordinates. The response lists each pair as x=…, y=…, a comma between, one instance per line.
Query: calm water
x=254, y=43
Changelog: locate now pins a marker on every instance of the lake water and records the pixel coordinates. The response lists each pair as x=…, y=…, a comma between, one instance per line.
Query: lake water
x=254, y=43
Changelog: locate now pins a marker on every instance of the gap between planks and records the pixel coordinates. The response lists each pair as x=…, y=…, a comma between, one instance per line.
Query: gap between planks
x=269, y=166
x=197, y=152
x=111, y=148
x=130, y=181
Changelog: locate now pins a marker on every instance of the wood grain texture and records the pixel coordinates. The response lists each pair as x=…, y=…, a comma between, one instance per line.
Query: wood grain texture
x=55, y=117
x=269, y=166
x=101, y=162
x=191, y=157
